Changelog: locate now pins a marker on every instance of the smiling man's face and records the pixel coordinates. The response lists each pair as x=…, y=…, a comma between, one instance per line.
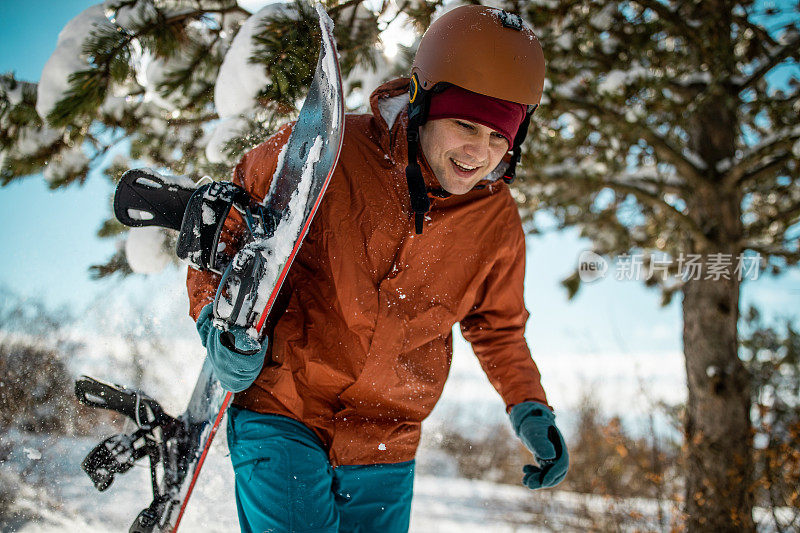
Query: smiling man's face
x=461, y=152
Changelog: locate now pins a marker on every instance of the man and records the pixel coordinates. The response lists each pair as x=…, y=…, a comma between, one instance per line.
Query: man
x=416, y=233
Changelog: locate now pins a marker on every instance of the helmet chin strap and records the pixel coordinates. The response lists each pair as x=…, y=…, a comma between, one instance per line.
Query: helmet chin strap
x=420, y=203
x=516, y=150
x=418, y=104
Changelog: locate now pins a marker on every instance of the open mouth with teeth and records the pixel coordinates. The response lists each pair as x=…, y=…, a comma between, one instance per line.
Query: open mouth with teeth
x=463, y=168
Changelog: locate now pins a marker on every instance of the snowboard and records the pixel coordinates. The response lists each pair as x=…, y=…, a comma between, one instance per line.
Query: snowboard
x=177, y=446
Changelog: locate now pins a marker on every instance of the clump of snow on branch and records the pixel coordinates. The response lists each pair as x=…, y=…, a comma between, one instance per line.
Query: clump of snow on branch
x=126, y=15
x=25, y=140
x=238, y=83
x=153, y=73
x=616, y=80
x=144, y=250
x=68, y=58
x=30, y=140
x=227, y=129
x=14, y=96
x=66, y=163
x=239, y=80
x=114, y=107
x=602, y=19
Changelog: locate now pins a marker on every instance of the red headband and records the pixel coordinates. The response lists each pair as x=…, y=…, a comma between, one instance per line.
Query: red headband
x=502, y=116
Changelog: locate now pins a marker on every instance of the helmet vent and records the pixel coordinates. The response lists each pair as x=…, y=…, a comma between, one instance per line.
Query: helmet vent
x=511, y=20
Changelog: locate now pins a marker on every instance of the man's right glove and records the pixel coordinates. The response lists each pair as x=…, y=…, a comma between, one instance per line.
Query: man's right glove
x=535, y=425
x=235, y=371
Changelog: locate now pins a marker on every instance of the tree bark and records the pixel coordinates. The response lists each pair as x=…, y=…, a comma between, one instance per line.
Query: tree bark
x=719, y=494
x=719, y=490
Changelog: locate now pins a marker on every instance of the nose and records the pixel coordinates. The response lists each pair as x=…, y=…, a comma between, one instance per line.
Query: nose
x=477, y=146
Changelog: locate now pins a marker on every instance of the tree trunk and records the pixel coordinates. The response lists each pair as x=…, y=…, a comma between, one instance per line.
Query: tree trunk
x=719, y=492
x=719, y=488
x=719, y=495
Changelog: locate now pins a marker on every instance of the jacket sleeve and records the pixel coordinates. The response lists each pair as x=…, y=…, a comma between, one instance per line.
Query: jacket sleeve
x=496, y=325
x=254, y=172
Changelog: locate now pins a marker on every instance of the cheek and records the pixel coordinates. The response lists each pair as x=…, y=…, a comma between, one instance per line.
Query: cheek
x=432, y=145
x=497, y=153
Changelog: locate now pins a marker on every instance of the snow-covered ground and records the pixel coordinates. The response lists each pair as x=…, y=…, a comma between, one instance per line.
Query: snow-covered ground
x=153, y=345
x=56, y=496
x=66, y=501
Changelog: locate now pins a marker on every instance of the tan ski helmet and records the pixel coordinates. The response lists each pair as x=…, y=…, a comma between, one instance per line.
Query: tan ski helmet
x=484, y=50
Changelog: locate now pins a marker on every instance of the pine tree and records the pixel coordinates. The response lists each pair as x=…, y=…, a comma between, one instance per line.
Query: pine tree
x=661, y=136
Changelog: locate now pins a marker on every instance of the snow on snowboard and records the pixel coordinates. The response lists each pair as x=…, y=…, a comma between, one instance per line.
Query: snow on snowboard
x=251, y=283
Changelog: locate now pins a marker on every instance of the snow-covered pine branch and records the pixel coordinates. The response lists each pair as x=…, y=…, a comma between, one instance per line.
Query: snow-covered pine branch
x=640, y=183
x=27, y=145
x=158, y=76
x=788, y=48
x=689, y=164
x=775, y=147
x=771, y=213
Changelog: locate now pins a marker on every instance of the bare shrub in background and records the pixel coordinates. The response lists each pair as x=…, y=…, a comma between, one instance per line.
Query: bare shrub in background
x=37, y=403
x=608, y=459
x=605, y=458
x=36, y=384
x=496, y=455
x=630, y=482
x=772, y=356
x=36, y=391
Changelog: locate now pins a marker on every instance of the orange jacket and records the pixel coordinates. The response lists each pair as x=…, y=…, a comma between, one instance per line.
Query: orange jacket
x=362, y=338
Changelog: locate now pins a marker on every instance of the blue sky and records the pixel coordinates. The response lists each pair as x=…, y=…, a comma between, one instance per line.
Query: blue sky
x=48, y=241
x=47, y=237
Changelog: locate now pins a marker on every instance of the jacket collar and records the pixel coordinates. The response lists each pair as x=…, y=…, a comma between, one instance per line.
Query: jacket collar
x=389, y=104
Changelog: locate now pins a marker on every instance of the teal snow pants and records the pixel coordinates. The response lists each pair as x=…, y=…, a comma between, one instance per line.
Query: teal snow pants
x=285, y=484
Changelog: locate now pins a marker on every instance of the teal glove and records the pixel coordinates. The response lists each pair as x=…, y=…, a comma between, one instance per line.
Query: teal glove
x=535, y=425
x=235, y=371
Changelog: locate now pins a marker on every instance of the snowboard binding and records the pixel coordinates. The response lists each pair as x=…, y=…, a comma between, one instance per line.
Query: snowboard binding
x=146, y=198
x=158, y=436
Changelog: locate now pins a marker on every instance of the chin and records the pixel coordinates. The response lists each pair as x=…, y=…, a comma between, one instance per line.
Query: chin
x=458, y=190
x=457, y=185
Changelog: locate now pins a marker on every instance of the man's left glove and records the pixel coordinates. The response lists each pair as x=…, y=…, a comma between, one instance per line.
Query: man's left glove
x=235, y=371
x=535, y=425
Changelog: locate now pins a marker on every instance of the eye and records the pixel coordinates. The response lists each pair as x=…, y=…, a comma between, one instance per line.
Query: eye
x=498, y=140
x=465, y=125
